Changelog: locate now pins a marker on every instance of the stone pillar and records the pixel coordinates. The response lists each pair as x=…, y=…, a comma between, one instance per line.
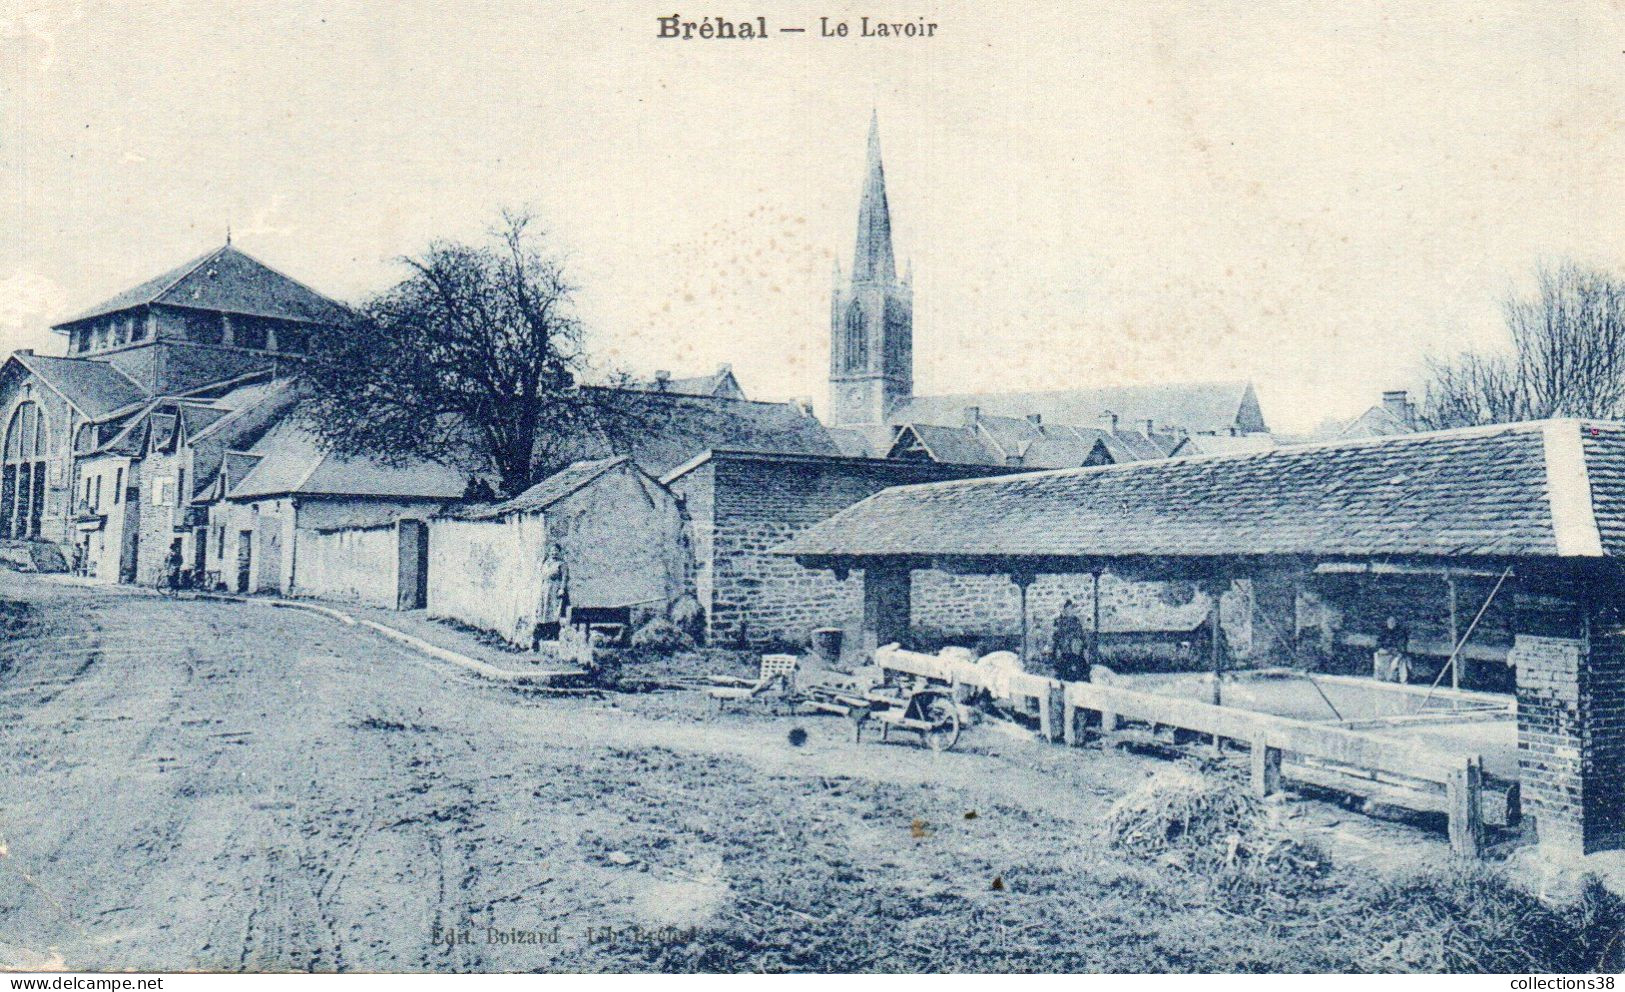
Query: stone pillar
x=1570, y=656
x=886, y=596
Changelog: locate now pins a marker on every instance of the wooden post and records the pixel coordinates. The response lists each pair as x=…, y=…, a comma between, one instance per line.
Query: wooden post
x=1022, y=581
x=1052, y=710
x=1455, y=633
x=1462, y=800
x=1071, y=716
x=1266, y=768
x=1094, y=623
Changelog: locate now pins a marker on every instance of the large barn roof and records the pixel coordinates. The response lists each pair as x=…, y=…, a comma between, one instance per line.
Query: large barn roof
x=230, y=281
x=1543, y=489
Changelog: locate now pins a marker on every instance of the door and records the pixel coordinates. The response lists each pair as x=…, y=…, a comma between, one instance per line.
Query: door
x=245, y=558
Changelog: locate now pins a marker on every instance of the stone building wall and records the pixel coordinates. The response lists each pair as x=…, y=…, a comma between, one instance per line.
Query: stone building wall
x=56, y=517
x=743, y=506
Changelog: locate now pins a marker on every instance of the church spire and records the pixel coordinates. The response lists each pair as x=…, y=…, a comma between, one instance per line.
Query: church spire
x=872, y=259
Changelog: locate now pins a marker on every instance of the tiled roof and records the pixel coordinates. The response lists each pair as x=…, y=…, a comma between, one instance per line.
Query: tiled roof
x=227, y=280
x=293, y=462
x=552, y=489
x=1204, y=406
x=95, y=388
x=1546, y=488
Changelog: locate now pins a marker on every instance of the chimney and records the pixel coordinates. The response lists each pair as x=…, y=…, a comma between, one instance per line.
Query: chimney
x=803, y=404
x=1397, y=402
x=25, y=351
x=724, y=368
x=1111, y=420
x=973, y=416
x=1148, y=430
x=662, y=380
x=1036, y=419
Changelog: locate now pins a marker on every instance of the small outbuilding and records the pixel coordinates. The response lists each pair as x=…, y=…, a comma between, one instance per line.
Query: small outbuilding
x=599, y=542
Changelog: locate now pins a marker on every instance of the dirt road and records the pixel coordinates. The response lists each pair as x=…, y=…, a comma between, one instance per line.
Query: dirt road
x=206, y=785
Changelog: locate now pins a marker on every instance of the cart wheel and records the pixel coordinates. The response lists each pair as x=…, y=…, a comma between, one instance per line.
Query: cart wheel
x=944, y=718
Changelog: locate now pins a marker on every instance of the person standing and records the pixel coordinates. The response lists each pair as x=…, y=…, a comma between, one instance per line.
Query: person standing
x=1390, y=663
x=1068, y=645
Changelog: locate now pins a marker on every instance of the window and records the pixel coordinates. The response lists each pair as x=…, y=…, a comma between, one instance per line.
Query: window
x=138, y=331
x=292, y=338
x=96, y=501
x=22, y=471
x=202, y=326
x=857, y=342
x=180, y=488
x=118, y=486
x=248, y=332
x=162, y=490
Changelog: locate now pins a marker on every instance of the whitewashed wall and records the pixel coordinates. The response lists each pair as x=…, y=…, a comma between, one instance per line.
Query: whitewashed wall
x=356, y=565
x=488, y=573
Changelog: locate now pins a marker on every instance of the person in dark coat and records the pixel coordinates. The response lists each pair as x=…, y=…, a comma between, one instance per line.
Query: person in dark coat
x=1068, y=645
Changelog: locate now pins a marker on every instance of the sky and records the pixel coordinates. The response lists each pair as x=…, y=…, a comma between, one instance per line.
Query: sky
x=1312, y=196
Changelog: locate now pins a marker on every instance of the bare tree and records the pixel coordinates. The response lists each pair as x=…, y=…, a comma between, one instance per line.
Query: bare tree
x=1567, y=358
x=472, y=360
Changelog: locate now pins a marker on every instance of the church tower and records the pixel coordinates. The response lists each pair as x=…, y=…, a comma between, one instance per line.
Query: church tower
x=871, y=354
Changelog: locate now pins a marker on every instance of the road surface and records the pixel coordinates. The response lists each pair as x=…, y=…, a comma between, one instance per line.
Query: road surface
x=204, y=785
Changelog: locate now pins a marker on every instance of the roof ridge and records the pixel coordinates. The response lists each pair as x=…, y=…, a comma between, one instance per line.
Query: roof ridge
x=1475, y=430
x=276, y=271
x=1568, y=490
x=153, y=298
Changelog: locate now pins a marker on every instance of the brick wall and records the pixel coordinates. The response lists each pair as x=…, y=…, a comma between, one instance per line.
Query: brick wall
x=1570, y=655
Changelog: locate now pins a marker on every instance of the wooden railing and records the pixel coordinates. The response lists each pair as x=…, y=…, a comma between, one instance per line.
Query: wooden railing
x=1409, y=774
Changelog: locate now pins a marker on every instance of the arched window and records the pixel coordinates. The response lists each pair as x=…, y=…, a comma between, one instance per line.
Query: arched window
x=857, y=341
x=22, y=472
x=897, y=343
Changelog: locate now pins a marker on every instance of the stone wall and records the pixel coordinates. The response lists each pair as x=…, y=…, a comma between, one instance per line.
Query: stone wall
x=743, y=506
x=969, y=607
x=56, y=523
x=356, y=565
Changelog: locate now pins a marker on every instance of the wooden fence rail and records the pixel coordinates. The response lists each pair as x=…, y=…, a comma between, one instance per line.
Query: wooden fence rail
x=1321, y=755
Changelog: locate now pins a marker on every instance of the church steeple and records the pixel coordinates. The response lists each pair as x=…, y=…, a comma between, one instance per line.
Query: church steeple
x=872, y=259
x=871, y=354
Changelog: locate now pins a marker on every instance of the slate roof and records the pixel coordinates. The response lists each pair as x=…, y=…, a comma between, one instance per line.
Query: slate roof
x=1546, y=488
x=95, y=389
x=293, y=462
x=721, y=383
x=226, y=280
x=1378, y=421
x=1202, y=406
x=1224, y=444
x=551, y=489
x=950, y=445
x=851, y=443
x=675, y=428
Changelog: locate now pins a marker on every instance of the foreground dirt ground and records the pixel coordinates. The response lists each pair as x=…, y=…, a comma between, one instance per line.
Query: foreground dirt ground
x=206, y=785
